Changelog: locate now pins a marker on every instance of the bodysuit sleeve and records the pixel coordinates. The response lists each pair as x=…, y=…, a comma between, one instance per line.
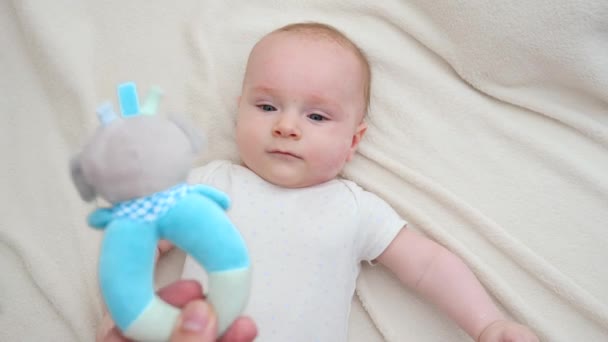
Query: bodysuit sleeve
x=378, y=224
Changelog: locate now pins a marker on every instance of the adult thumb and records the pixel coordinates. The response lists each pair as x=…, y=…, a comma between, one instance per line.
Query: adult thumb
x=197, y=322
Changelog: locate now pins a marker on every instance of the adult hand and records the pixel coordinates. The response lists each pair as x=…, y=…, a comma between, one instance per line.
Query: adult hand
x=197, y=321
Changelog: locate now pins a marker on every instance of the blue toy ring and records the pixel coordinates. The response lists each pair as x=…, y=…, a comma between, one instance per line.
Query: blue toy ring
x=194, y=219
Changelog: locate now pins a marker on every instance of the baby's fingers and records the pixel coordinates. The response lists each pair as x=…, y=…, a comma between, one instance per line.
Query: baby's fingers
x=519, y=336
x=507, y=331
x=108, y=332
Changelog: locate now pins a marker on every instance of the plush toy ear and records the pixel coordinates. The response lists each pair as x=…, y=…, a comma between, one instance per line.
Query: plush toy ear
x=195, y=137
x=86, y=191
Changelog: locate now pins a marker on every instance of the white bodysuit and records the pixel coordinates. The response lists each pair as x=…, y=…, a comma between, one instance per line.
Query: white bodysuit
x=306, y=246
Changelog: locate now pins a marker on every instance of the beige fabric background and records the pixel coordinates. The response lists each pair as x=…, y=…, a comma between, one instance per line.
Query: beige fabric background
x=488, y=132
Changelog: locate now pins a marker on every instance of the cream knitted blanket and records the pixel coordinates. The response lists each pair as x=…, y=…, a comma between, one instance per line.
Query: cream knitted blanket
x=488, y=132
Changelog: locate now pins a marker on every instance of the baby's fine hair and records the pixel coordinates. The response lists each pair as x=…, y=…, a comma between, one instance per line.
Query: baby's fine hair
x=319, y=30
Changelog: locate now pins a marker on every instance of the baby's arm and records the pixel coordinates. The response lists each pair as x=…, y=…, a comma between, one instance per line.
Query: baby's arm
x=443, y=279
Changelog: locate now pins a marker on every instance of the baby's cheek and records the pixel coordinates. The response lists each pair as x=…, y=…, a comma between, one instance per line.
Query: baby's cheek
x=335, y=158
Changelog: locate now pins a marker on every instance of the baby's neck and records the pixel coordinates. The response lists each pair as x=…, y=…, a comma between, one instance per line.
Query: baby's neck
x=242, y=164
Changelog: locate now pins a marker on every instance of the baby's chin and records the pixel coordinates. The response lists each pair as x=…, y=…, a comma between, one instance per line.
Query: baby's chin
x=288, y=178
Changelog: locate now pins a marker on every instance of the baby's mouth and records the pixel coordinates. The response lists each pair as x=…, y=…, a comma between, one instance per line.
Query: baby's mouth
x=284, y=153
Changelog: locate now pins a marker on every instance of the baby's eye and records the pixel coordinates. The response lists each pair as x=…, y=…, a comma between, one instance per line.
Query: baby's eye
x=267, y=108
x=317, y=117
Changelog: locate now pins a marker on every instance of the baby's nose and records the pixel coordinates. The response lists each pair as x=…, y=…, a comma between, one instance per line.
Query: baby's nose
x=286, y=127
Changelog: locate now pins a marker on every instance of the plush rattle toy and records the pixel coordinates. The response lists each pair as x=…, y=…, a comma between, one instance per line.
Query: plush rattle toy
x=139, y=163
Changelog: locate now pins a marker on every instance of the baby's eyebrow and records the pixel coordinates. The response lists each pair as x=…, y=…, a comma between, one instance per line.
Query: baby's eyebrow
x=323, y=100
x=265, y=90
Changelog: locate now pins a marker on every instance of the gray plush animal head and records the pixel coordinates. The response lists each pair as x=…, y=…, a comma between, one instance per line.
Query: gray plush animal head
x=135, y=157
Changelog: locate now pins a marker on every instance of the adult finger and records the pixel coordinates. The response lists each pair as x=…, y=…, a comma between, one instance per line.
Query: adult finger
x=242, y=330
x=181, y=292
x=178, y=293
x=196, y=323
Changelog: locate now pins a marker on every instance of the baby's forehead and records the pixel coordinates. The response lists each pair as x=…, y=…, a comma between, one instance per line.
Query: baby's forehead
x=322, y=50
x=279, y=44
x=312, y=39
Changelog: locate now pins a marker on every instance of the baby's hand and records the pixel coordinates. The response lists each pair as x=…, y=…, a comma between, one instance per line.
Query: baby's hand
x=164, y=247
x=105, y=329
x=507, y=331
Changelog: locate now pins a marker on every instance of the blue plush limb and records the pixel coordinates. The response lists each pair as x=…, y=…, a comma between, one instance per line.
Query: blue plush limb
x=214, y=194
x=200, y=227
x=99, y=218
x=126, y=269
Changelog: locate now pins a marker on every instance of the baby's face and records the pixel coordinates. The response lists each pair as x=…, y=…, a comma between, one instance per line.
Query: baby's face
x=300, y=113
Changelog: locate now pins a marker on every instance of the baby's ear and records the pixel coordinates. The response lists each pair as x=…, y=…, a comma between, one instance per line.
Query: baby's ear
x=359, y=133
x=86, y=191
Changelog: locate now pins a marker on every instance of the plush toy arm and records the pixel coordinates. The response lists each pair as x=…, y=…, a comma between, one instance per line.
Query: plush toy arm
x=214, y=194
x=100, y=218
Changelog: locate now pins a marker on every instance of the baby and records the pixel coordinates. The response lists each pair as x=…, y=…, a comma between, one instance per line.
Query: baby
x=300, y=119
